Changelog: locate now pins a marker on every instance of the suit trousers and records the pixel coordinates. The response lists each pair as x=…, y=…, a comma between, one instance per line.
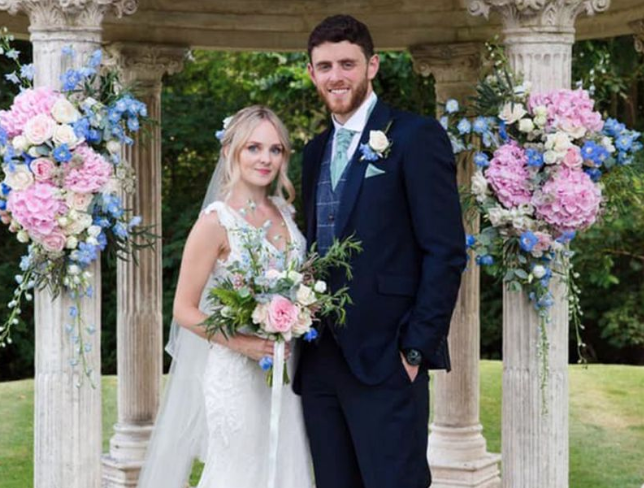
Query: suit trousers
x=363, y=436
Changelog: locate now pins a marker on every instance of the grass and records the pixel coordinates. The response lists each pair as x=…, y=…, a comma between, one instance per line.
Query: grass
x=606, y=425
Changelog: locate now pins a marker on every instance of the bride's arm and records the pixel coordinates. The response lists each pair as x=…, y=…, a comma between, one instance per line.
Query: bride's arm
x=206, y=243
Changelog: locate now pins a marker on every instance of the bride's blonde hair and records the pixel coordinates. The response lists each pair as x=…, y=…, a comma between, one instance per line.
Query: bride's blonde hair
x=236, y=135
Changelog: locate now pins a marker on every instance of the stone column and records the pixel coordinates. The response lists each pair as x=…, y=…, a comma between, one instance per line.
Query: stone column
x=457, y=449
x=539, y=35
x=638, y=28
x=139, y=290
x=67, y=417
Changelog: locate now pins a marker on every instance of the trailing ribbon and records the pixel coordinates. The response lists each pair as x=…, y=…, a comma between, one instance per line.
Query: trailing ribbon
x=276, y=410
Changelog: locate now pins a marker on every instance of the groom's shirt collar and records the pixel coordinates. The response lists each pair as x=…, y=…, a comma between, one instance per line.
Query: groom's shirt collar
x=356, y=123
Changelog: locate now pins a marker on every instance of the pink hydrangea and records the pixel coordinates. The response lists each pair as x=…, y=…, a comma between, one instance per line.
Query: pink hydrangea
x=36, y=209
x=569, y=200
x=568, y=110
x=25, y=106
x=92, y=175
x=508, y=175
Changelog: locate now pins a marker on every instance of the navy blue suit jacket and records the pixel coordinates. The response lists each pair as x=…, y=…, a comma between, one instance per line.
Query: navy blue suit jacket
x=408, y=219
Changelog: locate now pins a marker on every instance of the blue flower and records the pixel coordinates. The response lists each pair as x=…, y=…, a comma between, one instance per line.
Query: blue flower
x=86, y=72
x=3, y=136
x=451, y=106
x=367, y=153
x=488, y=139
x=5, y=189
x=27, y=71
x=527, y=241
x=85, y=254
x=73, y=311
x=470, y=240
x=613, y=128
x=266, y=363
x=12, y=54
x=444, y=121
x=544, y=302
x=114, y=115
x=486, y=260
x=103, y=222
x=13, y=78
x=102, y=241
x=3, y=205
x=482, y=160
x=62, y=154
x=133, y=124
x=220, y=134
x=594, y=173
x=25, y=262
x=70, y=79
x=566, y=237
x=81, y=127
x=624, y=158
x=311, y=335
x=624, y=142
x=480, y=125
x=503, y=133
x=120, y=230
x=96, y=58
x=94, y=136
x=464, y=126
x=89, y=292
x=535, y=158
x=136, y=221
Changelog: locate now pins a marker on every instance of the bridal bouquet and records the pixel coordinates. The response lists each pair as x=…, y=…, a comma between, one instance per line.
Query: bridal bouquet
x=63, y=177
x=278, y=299
x=540, y=159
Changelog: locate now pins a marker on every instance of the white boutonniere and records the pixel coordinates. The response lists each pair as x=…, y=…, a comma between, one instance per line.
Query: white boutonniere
x=378, y=146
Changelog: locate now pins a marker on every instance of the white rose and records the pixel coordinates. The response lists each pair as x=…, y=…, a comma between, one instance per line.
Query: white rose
x=78, y=201
x=295, y=277
x=33, y=152
x=94, y=230
x=64, y=134
x=260, y=314
x=526, y=125
x=112, y=186
x=479, y=184
x=71, y=242
x=20, y=143
x=550, y=157
x=540, y=111
x=113, y=147
x=511, y=112
x=320, y=286
x=73, y=269
x=305, y=295
x=23, y=236
x=92, y=241
x=559, y=142
x=538, y=271
x=378, y=141
x=497, y=216
x=19, y=179
x=79, y=222
x=540, y=121
x=304, y=322
x=575, y=131
x=64, y=112
x=39, y=129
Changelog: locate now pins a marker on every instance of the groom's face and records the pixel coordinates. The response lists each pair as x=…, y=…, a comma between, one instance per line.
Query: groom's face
x=342, y=75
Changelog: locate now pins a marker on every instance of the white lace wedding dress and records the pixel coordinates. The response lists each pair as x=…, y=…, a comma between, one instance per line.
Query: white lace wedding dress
x=237, y=399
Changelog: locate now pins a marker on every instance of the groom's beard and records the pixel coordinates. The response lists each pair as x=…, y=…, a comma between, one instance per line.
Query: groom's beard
x=344, y=107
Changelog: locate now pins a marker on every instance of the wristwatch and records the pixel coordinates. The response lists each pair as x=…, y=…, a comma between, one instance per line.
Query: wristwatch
x=413, y=356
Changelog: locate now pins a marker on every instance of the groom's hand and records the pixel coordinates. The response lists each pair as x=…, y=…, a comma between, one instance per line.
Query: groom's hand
x=412, y=371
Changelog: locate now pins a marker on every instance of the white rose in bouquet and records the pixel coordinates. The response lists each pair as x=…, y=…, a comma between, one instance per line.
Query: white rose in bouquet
x=305, y=296
x=511, y=112
x=64, y=112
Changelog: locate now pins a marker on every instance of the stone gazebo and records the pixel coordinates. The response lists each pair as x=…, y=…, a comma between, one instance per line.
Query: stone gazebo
x=150, y=38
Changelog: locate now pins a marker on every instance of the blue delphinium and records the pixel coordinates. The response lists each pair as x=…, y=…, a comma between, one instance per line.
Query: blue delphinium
x=451, y=106
x=95, y=59
x=535, y=158
x=594, y=173
x=120, y=230
x=368, y=154
x=3, y=136
x=69, y=51
x=27, y=71
x=470, y=240
x=566, y=237
x=486, y=260
x=13, y=78
x=480, y=125
x=527, y=241
x=503, y=133
x=266, y=363
x=311, y=335
x=62, y=154
x=464, y=126
x=70, y=79
x=482, y=160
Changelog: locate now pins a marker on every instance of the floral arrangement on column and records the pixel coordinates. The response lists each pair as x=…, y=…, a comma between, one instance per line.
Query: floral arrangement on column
x=63, y=182
x=540, y=159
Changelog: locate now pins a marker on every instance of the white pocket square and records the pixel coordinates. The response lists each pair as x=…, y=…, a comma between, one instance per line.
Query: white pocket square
x=373, y=171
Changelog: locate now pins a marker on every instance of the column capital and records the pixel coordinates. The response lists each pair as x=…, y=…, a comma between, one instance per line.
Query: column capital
x=145, y=64
x=549, y=15
x=53, y=14
x=638, y=28
x=448, y=62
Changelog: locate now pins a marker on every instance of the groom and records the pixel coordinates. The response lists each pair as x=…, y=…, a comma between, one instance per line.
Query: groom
x=364, y=386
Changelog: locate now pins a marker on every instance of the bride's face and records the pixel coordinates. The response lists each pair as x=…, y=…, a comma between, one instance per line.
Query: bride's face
x=262, y=156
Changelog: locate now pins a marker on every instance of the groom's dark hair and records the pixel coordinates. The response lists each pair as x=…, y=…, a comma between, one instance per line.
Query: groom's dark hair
x=340, y=28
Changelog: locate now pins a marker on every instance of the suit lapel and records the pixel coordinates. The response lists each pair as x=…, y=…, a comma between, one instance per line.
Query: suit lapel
x=317, y=153
x=379, y=119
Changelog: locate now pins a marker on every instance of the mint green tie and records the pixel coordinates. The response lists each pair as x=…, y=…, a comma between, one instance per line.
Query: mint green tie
x=340, y=159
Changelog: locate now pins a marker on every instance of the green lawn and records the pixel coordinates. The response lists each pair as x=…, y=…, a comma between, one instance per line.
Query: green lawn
x=606, y=425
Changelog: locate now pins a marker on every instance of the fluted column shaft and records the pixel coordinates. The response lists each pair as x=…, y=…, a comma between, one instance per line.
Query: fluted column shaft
x=67, y=414
x=139, y=286
x=457, y=449
x=538, y=36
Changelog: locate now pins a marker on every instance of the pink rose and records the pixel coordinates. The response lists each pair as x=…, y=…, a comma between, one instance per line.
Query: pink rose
x=282, y=315
x=42, y=168
x=54, y=242
x=39, y=129
x=573, y=158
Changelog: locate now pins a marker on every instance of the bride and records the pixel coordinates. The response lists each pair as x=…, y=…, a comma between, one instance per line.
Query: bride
x=217, y=405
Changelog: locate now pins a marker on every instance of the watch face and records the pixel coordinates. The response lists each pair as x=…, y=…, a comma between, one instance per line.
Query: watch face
x=414, y=357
